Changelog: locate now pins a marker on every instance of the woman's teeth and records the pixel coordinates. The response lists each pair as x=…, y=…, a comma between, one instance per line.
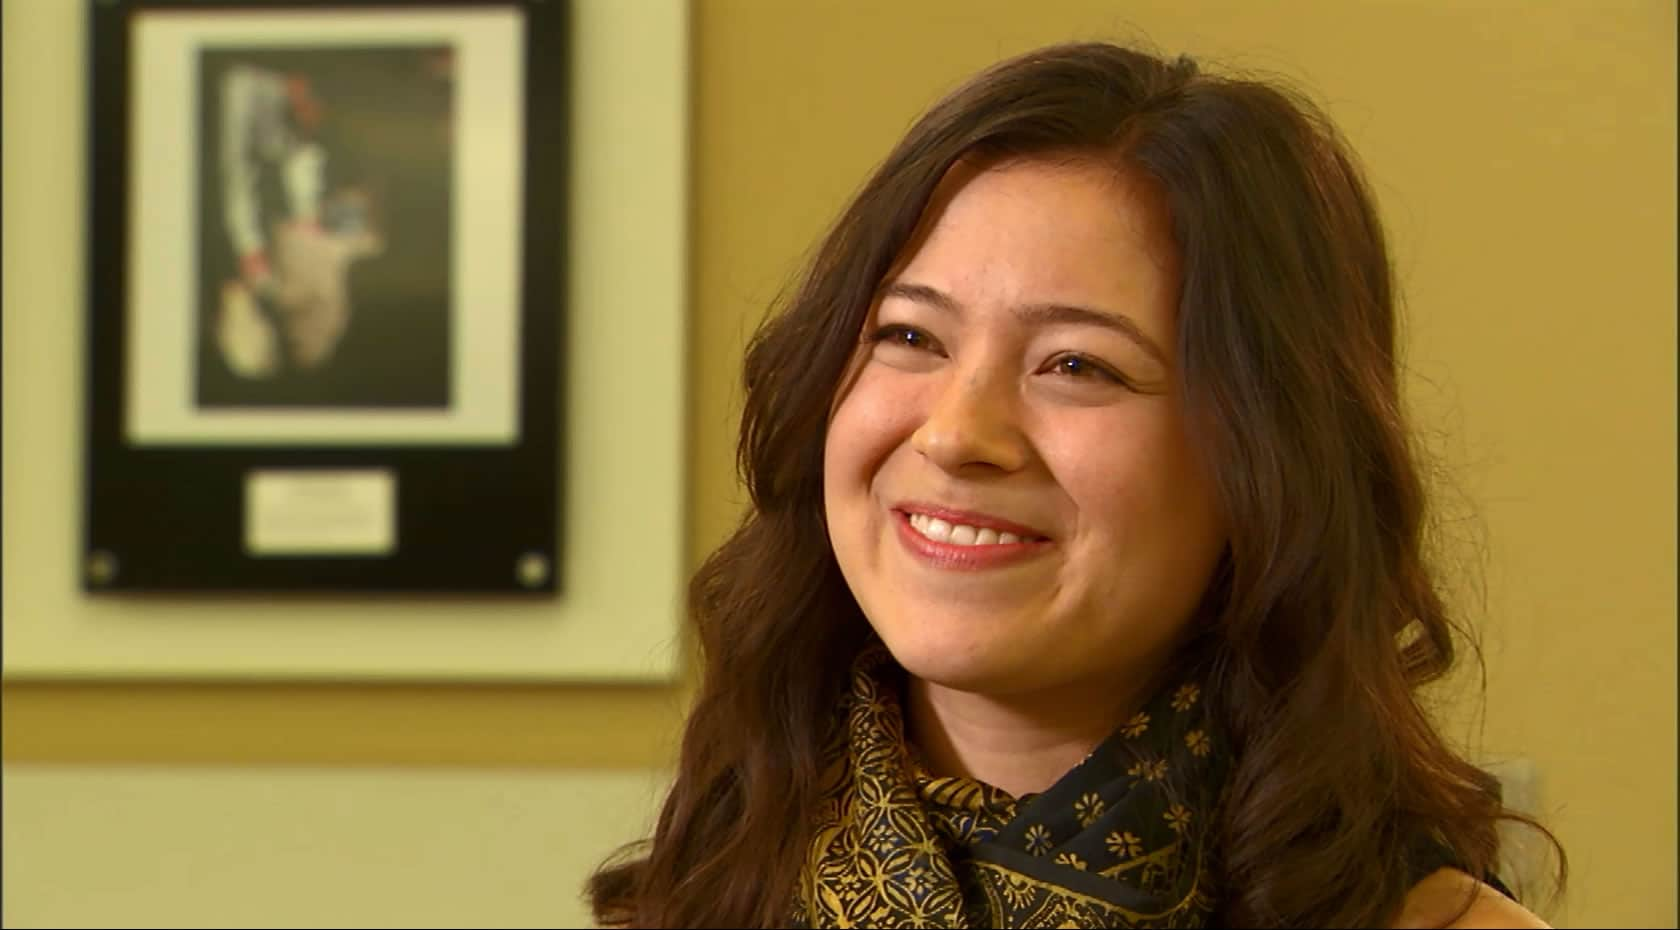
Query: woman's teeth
x=959, y=534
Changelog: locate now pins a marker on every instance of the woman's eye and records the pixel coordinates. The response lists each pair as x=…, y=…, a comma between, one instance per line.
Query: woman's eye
x=899, y=335
x=1081, y=368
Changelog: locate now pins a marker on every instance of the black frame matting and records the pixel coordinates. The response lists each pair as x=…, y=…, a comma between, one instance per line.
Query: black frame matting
x=468, y=517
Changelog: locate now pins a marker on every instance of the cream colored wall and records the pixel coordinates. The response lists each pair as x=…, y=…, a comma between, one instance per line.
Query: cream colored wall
x=129, y=846
x=1525, y=157
x=350, y=762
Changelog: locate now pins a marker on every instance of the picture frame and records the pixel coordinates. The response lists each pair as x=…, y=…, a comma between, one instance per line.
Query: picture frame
x=325, y=296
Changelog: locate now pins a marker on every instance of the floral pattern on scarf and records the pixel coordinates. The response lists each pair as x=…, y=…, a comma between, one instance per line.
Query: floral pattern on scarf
x=1120, y=841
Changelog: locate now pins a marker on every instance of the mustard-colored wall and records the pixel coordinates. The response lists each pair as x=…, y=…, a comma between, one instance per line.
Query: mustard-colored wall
x=1524, y=155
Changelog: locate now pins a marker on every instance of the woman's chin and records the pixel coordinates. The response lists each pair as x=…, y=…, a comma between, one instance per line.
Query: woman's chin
x=960, y=664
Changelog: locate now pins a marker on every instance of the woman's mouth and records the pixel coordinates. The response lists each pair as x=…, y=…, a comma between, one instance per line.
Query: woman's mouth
x=950, y=543
x=959, y=534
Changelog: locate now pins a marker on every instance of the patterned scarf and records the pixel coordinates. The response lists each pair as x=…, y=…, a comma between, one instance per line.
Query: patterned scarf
x=1120, y=841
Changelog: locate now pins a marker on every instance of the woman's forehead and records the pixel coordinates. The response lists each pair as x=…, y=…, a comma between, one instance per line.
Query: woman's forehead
x=1051, y=230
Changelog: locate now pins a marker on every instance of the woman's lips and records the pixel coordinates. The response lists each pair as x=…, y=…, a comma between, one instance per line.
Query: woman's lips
x=981, y=554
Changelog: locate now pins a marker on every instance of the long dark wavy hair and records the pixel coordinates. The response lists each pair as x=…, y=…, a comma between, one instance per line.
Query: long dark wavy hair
x=1326, y=617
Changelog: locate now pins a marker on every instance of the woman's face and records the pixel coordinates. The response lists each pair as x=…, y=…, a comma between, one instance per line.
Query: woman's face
x=1010, y=492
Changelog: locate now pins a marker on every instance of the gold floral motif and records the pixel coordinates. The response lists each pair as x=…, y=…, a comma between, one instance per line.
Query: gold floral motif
x=1047, y=905
x=893, y=845
x=1125, y=844
x=1069, y=859
x=1088, y=808
x=1178, y=818
x=1149, y=769
x=1017, y=891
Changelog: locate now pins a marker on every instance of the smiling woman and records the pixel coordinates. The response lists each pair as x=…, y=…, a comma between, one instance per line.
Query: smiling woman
x=1083, y=583
x=1003, y=383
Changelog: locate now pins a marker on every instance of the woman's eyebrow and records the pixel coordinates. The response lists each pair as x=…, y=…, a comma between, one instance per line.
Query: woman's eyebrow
x=1034, y=314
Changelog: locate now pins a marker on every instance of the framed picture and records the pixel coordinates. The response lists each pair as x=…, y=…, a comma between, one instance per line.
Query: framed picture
x=326, y=295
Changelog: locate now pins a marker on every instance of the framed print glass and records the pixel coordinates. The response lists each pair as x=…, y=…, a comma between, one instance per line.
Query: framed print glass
x=326, y=296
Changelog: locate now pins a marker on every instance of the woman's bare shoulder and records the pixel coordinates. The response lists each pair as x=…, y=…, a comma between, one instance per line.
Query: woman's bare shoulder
x=1440, y=901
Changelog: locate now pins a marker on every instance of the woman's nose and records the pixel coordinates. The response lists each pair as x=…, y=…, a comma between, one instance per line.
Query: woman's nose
x=973, y=422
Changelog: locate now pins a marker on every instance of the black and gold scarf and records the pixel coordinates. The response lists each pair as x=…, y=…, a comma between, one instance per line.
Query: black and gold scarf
x=1120, y=841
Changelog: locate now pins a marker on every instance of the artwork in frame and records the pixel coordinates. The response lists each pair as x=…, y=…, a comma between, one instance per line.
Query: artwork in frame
x=326, y=295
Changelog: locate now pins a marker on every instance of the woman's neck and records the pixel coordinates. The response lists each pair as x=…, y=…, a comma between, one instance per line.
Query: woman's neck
x=1021, y=745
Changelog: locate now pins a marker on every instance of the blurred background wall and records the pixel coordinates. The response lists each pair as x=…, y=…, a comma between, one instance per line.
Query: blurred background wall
x=1524, y=156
